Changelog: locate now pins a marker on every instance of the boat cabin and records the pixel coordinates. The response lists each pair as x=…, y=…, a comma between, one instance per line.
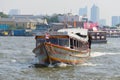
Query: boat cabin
x=98, y=36
x=69, y=39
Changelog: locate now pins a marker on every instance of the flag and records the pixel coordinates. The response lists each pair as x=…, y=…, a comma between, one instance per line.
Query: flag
x=88, y=25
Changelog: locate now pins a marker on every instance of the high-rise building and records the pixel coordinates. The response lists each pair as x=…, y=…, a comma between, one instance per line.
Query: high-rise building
x=115, y=20
x=102, y=22
x=14, y=12
x=119, y=20
x=83, y=11
x=95, y=13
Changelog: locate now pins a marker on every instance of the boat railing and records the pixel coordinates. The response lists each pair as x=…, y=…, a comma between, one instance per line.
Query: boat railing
x=52, y=33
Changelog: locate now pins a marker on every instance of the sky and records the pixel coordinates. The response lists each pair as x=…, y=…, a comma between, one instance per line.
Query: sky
x=107, y=8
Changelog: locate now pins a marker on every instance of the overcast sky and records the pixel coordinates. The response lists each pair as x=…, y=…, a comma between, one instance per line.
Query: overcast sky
x=36, y=7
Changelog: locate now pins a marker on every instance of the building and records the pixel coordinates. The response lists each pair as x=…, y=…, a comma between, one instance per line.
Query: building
x=24, y=23
x=115, y=20
x=69, y=18
x=83, y=11
x=94, y=13
x=8, y=21
x=14, y=12
x=25, y=16
x=4, y=27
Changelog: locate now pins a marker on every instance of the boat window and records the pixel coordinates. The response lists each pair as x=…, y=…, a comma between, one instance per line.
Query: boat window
x=103, y=33
x=74, y=43
x=77, y=43
x=93, y=37
x=98, y=33
x=80, y=44
x=103, y=37
x=39, y=41
x=54, y=40
x=71, y=43
x=98, y=37
x=84, y=36
x=64, y=42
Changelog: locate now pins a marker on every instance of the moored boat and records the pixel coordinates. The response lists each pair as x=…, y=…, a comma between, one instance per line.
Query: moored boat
x=69, y=46
x=98, y=36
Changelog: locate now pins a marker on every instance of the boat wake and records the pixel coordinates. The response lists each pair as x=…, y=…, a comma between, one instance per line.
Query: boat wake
x=90, y=64
x=97, y=54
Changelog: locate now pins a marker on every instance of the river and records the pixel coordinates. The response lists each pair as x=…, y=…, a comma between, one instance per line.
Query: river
x=16, y=58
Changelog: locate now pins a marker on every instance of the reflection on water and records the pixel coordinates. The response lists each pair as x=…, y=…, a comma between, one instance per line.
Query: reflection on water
x=16, y=57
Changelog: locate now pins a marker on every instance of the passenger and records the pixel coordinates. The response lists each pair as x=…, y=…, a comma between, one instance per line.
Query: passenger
x=89, y=40
x=89, y=43
x=47, y=36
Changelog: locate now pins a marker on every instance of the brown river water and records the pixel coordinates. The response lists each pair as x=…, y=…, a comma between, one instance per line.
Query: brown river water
x=17, y=58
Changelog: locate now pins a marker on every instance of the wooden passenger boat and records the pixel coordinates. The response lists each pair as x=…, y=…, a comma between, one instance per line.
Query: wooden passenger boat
x=69, y=46
x=98, y=36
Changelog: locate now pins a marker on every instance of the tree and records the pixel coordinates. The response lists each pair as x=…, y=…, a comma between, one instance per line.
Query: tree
x=53, y=18
x=3, y=15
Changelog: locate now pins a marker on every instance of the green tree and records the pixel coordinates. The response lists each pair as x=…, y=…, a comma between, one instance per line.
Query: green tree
x=3, y=15
x=53, y=18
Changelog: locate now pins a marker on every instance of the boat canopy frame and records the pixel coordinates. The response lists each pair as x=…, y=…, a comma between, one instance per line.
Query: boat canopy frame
x=67, y=41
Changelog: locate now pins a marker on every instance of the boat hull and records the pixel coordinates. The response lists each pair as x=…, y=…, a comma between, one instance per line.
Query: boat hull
x=48, y=53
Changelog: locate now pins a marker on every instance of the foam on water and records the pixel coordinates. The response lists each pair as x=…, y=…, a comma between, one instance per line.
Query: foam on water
x=13, y=60
x=90, y=64
x=96, y=54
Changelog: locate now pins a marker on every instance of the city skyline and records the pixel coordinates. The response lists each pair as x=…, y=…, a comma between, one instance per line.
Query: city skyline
x=37, y=7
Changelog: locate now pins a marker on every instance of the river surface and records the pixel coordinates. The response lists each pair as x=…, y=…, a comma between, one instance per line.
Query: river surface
x=16, y=57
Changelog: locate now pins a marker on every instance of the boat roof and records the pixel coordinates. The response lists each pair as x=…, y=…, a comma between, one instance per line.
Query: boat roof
x=75, y=30
x=77, y=33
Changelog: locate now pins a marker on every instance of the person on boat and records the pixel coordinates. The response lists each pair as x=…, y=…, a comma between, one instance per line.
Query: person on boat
x=47, y=36
x=89, y=40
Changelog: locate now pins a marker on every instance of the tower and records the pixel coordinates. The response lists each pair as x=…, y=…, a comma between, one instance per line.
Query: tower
x=95, y=13
x=83, y=11
x=115, y=20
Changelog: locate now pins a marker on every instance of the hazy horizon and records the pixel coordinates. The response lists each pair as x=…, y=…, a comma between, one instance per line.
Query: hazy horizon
x=38, y=7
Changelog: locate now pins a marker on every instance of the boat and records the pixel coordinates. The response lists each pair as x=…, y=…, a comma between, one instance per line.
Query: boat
x=98, y=36
x=69, y=46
